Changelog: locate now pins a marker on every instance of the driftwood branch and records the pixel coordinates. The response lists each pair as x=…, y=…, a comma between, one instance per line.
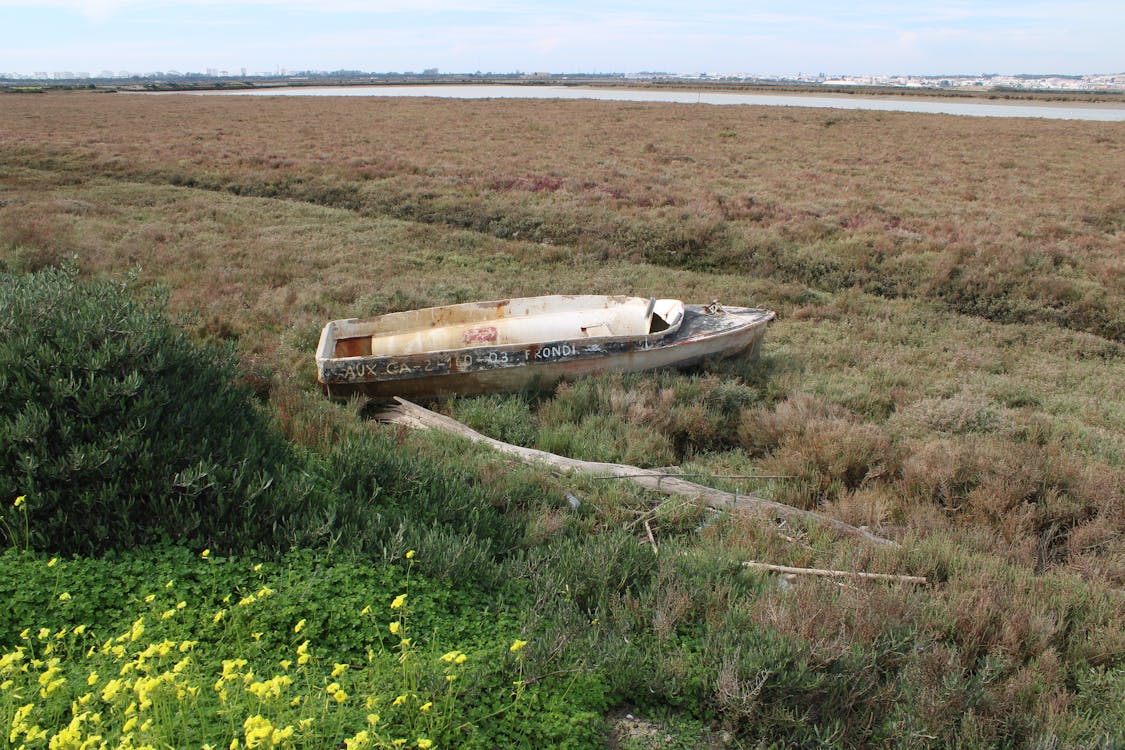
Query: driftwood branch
x=833, y=573
x=411, y=415
x=665, y=473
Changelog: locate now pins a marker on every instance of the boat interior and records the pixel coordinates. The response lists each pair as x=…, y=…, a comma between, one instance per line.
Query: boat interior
x=512, y=322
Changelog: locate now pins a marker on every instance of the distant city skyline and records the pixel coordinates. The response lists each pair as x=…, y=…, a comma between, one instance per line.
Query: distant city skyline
x=862, y=38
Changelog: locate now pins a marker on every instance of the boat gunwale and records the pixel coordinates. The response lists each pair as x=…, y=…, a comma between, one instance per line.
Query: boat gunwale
x=420, y=313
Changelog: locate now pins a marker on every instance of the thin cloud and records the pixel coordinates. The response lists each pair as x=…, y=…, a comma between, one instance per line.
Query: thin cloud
x=867, y=36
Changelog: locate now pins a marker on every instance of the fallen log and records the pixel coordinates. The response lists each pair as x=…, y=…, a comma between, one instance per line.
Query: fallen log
x=414, y=416
x=832, y=573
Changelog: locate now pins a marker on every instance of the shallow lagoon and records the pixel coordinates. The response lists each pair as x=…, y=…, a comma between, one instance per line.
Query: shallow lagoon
x=929, y=105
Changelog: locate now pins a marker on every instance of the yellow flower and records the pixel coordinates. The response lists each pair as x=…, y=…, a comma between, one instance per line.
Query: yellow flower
x=218, y=615
x=20, y=501
x=410, y=555
x=64, y=596
x=92, y=679
x=257, y=568
x=339, y=669
x=149, y=598
x=460, y=659
x=205, y=554
x=52, y=562
x=517, y=645
x=400, y=700
x=424, y=743
x=128, y=725
x=426, y=706
x=303, y=653
x=395, y=627
x=372, y=719
x=366, y=610
x=21, y=715
x=340, y=696
x=399, y=601
x=258, y=730
x=361, y=739
x=300, y=624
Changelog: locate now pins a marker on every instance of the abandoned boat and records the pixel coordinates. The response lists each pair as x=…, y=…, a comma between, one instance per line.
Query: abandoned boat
x=532, y=342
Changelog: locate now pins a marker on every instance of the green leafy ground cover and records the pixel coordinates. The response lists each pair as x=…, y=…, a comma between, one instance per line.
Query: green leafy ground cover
x=167, y=648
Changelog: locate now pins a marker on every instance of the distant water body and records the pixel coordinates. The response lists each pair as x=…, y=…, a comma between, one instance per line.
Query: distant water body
x=934, y=105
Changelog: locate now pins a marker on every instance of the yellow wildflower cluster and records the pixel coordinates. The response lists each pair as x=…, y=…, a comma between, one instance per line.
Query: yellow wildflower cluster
x=121, y=707
x=141, y=688
x=260, y=732
x=262, y=593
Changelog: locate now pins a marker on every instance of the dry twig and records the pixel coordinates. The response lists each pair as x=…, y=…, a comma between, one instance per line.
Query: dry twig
x=833, y=573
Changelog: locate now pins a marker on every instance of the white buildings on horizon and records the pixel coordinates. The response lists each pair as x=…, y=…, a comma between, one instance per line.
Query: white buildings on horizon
x=1046, y=82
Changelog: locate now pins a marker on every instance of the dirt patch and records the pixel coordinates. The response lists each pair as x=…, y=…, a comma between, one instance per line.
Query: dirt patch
x=630, y=731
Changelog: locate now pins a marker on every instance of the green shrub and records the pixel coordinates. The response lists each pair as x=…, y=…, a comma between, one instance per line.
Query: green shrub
x=647, y=419
x=119, y=430
x=506, y=418
x=382, y=498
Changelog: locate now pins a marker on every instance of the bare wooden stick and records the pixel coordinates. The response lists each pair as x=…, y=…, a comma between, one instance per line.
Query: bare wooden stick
x=412, y=415
x=651, y=538
x=653, y=473
x=833, y=573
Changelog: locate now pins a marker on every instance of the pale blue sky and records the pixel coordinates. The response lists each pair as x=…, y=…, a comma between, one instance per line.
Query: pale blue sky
x=851, y=38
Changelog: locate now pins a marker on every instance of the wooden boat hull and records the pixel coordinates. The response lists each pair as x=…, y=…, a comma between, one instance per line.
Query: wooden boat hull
x=705, y=333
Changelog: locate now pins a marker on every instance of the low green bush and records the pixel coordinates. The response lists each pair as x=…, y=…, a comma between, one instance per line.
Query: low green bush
x=119, y=430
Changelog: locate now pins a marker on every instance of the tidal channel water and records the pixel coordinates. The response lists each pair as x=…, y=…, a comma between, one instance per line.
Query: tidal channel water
x=929, y=105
